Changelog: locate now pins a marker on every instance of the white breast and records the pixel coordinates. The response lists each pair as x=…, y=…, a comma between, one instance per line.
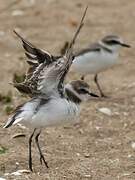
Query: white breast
x=55, y=112
x=94, y=62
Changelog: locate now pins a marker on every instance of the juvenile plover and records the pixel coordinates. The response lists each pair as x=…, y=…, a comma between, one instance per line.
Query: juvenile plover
x=52, y=103
x=98, y=57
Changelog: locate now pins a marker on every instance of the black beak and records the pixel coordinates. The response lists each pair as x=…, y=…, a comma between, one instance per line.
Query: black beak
x=125, y=45
x=93, y=95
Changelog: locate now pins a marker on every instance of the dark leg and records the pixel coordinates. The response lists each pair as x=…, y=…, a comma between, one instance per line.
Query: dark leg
x=98, y=86
x=82, y=78
x=30, y=154
x=42, y=159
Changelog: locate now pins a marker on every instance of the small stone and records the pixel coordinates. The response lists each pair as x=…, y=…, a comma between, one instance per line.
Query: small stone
x=87, y=176
x=117, y=113
x=133, y=145
x=98, y=127
x=129, y=156
x=18, y=13
x=86, y=155
x=106, y=111
x=125, y=113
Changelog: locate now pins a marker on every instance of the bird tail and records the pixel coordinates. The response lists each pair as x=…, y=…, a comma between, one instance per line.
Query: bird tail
x=14, y=119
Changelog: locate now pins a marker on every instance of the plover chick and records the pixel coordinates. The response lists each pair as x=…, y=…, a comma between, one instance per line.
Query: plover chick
x=51, y=102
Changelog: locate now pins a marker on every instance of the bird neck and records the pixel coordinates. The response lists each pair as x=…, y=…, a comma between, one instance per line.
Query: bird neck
x=72, y=97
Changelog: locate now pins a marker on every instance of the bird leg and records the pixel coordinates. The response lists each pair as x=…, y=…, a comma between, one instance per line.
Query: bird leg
x=42, y=159
x=98, y=86
x=30, y=150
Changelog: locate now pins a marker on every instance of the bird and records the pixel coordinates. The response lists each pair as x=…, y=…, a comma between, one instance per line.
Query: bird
x=52, y=102
x=98, y=57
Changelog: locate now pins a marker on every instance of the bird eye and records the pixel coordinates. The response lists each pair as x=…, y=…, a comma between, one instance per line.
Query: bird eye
x=112, y=42
x=82, y=91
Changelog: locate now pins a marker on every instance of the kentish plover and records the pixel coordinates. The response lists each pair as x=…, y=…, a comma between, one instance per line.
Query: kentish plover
x=98, y=57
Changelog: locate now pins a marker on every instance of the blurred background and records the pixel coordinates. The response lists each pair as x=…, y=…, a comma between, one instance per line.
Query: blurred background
x=103, y=144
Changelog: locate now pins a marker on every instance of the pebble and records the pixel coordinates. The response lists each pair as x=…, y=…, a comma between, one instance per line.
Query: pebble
x=133, y=145
x=105, y=111
x=17, y=13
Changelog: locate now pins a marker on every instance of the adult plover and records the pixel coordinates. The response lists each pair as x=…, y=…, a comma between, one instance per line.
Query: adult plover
x=98, y=57
x=52, y=103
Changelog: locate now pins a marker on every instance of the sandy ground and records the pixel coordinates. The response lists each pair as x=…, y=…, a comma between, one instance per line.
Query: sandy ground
x=101, y=146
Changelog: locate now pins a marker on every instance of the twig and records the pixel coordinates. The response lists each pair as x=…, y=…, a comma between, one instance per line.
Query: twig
x=69, y=54
x=78, y=30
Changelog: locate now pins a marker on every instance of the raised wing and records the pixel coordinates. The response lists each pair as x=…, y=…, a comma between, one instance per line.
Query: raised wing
x=34, y=54
x=47, y=76
x=36, y=59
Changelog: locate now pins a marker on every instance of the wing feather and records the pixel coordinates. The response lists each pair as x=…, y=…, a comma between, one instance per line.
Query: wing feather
x=33, y=52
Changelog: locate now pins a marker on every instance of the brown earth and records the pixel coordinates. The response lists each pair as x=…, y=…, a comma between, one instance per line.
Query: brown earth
x=100, y=146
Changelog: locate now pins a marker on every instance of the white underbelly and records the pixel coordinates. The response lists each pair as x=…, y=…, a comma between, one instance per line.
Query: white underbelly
x=92, y=63
x=56, y=112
